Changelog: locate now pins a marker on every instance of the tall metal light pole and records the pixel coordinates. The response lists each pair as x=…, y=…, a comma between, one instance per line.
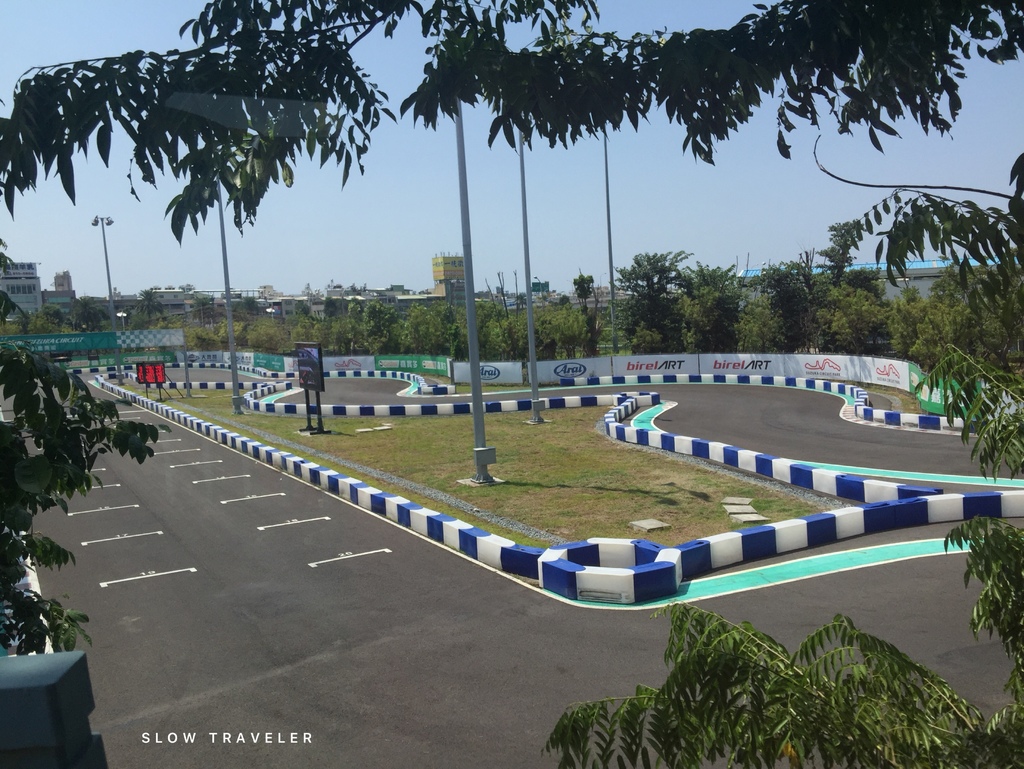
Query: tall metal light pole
x=483, y=454
x=535, y=400
x=611, y=263
x=236, y=397
x=103, y=222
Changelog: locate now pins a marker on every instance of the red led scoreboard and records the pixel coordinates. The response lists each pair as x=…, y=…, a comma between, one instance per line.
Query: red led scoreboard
x=150, y=373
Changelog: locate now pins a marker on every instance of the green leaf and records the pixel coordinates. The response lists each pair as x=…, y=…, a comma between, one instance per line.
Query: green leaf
x=33, y=474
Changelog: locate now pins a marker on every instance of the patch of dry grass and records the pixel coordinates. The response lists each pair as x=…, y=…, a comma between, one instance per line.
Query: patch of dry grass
x=563, y=477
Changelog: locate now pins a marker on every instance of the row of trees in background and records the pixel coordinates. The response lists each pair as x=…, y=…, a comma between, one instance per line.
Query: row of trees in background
x=813, y=303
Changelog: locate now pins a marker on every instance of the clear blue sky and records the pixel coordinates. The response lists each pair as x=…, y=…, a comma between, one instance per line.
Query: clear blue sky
x=384, y=227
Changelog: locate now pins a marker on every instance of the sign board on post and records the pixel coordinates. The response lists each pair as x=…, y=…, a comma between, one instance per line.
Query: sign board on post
x=309, y=361
x=151, y=373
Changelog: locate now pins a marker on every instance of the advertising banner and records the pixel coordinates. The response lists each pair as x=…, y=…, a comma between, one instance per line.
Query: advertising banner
x=633, y=365
x=348, y=363
x=553, y=370
x=202, y=356
x=765, y=364
x=106, y=340
x=309, y=363
x=99, y=361
x=492, y=373
x=416, y=364
x=268, y=362
x=243, y=358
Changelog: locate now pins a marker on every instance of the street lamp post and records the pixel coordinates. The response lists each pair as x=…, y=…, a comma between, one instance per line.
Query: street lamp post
x=103, y=222
x=122, y=316
x=535, y=400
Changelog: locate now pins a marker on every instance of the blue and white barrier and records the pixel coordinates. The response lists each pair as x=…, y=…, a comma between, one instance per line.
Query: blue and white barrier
x=786, y=470
x=623, y=571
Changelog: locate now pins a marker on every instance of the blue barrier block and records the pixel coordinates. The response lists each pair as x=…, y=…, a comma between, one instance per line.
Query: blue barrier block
x=428, y=409
x=332, y=484
x=811, y=384
x=850, y=487
x=763, y=465
x=985, y=503
x=378, y=504
x=790, y=381
x=556, y=403
x=396, y=411
x=492, y=406
x=701, y=448
x=906, y=492
x=670, y=378
x=269, y=408
x=521, y=560
x=584, y=553
x=618, y=380
x=869, y=413
x=731, y=456
x=668, y=442
x=654, y=580
x=468, y=538
x=353, y=491
x=458, y=408
x=743, y=378
x=821, y=528
x=892, y=418
x=718, y=378
x=434, y=528
x=694, y=378
x=758, y=542
x=560, y=577
x=801, y=475
x=929, y=422
x=643, y=379
x=642, y=438
x=645, y=551
x=826, y=387
x=290, y=408
x=366, y=411
x=878, y=516
x=620, y=432
x=695, y=557
x=910, y=512
x=767, y=380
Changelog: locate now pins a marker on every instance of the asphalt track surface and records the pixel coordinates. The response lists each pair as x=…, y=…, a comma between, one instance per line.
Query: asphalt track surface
x=412, y=657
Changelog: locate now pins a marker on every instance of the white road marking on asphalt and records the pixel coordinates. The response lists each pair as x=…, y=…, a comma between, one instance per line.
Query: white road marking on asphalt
x=105, y=486
x=102, y=509
x=345, y=556
x=135, y=411
x=169, y=440
x=223, y=478
x=252, y=496
x=175, y=451
x=292, y=521
x=120, y=536
x=191, y=464
x=146, y=575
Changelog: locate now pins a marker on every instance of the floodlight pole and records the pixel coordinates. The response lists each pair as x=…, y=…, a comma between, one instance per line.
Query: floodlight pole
x=236, y=398
x=102, y=222
x=611, y=264
x=483, y=455
x=535, y=400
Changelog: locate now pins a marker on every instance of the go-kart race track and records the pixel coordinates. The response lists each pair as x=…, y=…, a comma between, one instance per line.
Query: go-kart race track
x=229, y=598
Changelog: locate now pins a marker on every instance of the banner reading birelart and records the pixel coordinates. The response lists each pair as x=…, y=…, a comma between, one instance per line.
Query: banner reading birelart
x=655, y=365
x=492, y=373
x=309, y=361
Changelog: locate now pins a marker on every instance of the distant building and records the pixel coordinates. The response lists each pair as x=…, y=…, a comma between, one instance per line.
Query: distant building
x=63, y=293
x=21, y=284
x=449, y=277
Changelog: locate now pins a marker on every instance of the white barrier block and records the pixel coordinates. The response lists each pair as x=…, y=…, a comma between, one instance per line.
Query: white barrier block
x=1013, y=504
x=748, y=460
x=363, y=495
x=614, y=552
x=418, y=520
x=716, y=451
x=450, y=530
x=605, y=584
x=391, y=507
x=726, y=549
x=824, y=480
x=790, y=535
x=488, y=550
x=674, y=556
x=849, y=522
x=879, y=491
x=945, y=508
x=780, y=469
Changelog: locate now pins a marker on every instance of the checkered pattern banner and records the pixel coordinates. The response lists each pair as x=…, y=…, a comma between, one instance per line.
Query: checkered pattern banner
x=152, y=337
